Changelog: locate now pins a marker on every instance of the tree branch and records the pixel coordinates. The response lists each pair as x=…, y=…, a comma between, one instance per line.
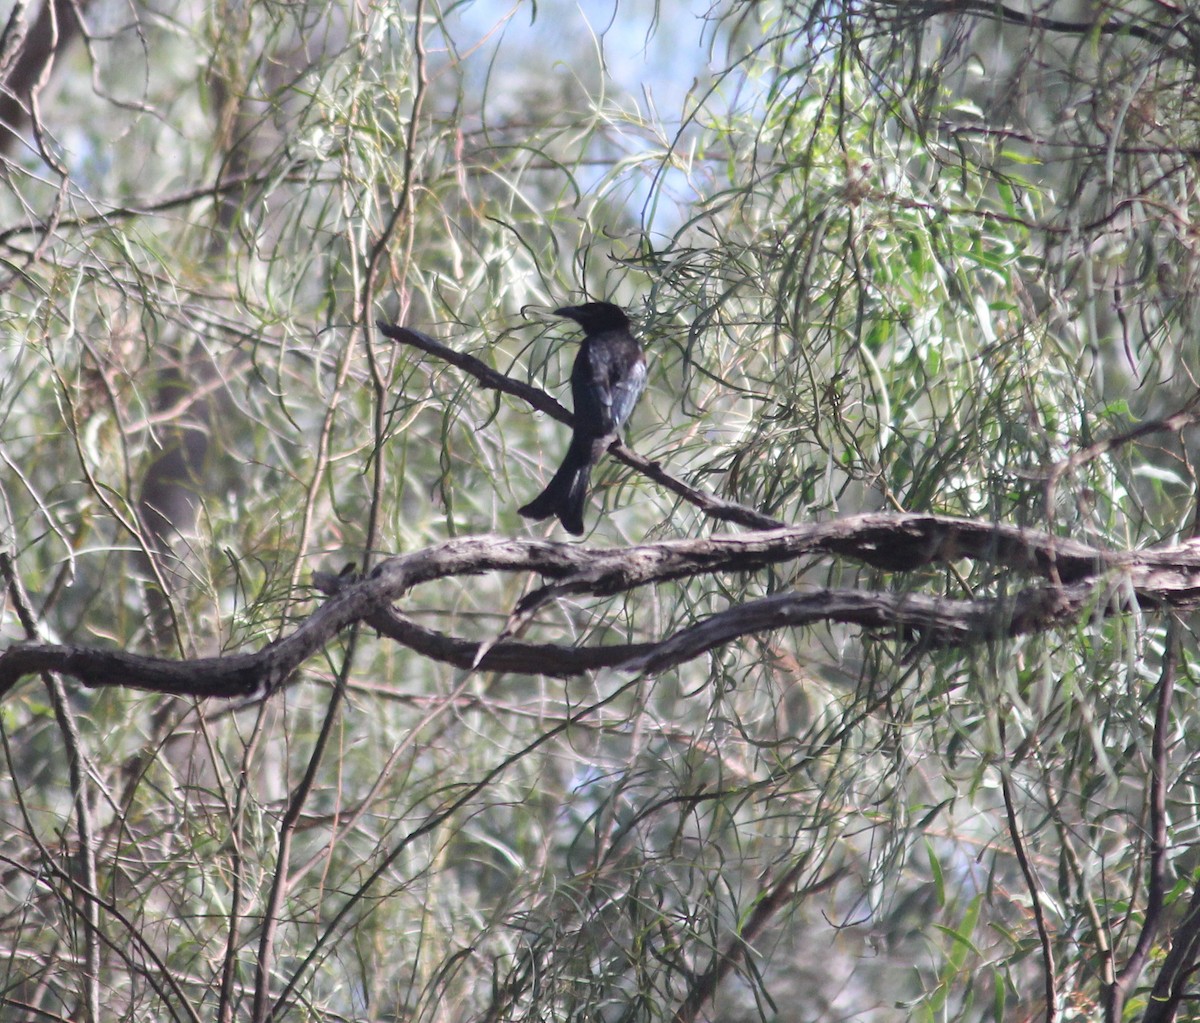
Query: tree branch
x=1176, y=422
x=56, y=25
x=1171, y=985
x=782, y=893
x=1049, y=974
x=991, y=11
x=1123, y=983
x=1079, y=579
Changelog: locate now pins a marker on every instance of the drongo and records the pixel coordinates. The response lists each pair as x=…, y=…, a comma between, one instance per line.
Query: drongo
x=606, y=381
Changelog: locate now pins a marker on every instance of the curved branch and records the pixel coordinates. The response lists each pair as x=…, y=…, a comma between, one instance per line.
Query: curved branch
x=1080, y=579
x=1049, y=974
x=782, y=893
x=1171, y=985
x=992, y=11
x=929, y=622
x=52, y=31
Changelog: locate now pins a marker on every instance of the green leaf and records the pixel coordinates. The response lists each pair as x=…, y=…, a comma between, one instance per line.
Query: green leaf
x=935, y=868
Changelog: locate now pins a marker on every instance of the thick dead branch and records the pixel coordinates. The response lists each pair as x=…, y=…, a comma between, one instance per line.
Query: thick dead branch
x=1079, y=580
x=928, y=622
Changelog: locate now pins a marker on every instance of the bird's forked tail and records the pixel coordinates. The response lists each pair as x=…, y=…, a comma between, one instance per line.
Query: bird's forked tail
x=566, y=492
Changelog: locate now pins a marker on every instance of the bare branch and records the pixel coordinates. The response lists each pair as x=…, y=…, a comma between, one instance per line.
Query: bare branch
x=480, y=370
x=1156, y=886
x=1173, y=980
x=1082, y=578
x=989, y=10
x=929, y=621
x=1049, y=975
x=52, y=31
x=77, y=770
x=784, y=892
x=1176, y=422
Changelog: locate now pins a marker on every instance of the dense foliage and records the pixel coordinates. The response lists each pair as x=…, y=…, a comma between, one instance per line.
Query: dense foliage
x=883, y=256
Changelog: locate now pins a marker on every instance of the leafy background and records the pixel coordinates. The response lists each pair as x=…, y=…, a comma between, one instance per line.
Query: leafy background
x=894, y=257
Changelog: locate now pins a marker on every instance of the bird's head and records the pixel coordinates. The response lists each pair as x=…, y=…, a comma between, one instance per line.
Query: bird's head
x=594, y=317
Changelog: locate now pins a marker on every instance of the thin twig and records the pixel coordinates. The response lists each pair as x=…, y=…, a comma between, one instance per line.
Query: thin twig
x=300, y=797
x=992, y=11
x=782, y=893
x=1177, y=421
x=79, y=788
x=430, y=824
x=1034, y=889
x=1156, y=798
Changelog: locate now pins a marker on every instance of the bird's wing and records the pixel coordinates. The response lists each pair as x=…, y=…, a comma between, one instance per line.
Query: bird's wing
x=608, y=376
x=625, y=392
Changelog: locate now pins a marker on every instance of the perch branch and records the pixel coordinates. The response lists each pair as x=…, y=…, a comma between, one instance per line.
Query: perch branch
x=713, y=506
x=1077, y=579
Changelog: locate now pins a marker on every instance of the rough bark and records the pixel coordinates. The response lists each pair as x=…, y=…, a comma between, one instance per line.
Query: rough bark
x=1069, y=580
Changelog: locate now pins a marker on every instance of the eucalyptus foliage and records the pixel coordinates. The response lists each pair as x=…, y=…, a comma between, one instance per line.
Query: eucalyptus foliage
x=884, y=256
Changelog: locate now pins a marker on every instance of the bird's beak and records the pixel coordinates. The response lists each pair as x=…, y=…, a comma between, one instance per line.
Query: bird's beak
x=569, y=311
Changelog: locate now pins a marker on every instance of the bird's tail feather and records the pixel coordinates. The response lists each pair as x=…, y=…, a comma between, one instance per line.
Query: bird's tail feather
x=566, y=493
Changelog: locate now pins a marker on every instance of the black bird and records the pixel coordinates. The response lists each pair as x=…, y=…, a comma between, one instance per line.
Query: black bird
x=606, y=381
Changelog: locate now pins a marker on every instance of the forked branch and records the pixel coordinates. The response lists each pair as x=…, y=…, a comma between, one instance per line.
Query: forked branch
x=1069, y=580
